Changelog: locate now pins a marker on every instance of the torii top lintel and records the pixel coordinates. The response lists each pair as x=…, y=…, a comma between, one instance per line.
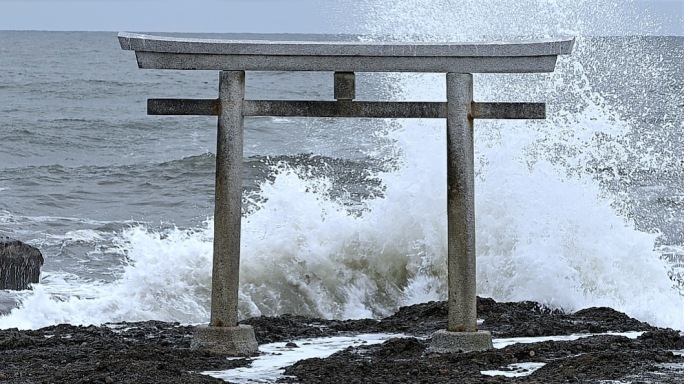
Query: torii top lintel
x=160, y=52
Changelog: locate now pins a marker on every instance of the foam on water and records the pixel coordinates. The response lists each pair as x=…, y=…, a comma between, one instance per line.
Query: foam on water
x=503, y=343
x=515, y=370
x=269, y=366
x=167, y=278
x=546, y=229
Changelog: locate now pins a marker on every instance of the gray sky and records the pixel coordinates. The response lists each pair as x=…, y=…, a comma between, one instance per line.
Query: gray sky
x=164, y=15
x=265, y=16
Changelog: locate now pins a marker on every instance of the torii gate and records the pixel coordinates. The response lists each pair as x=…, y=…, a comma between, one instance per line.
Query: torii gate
x=233, y=58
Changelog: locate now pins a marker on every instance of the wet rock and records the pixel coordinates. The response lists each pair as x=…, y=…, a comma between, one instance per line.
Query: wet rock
x=20, y=264
x=159, y=352
x=285, y=328
x=113, y=353
x=663, y=338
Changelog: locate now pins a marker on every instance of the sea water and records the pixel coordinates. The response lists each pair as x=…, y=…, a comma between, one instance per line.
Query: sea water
x=347, y=218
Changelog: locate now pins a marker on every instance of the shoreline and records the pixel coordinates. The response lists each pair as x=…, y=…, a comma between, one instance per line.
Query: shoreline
x=155, y=351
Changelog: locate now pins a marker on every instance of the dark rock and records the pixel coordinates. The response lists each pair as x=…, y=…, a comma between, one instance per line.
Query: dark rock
x=107, y=354
x=19, y=264
x=159, y=352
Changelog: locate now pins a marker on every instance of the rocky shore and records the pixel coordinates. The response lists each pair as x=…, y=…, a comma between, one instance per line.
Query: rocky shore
x=158, y=352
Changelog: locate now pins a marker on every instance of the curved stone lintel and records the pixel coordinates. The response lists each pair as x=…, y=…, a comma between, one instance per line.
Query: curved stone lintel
x=163, y=52
x=168, y=44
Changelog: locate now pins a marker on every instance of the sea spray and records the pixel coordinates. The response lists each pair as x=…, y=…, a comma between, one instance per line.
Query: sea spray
x=323, y=260
x=547, y=225
x=167, y=276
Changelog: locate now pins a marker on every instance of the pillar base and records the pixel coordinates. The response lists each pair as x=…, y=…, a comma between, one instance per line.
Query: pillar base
x=444, y=341
x=229, y=341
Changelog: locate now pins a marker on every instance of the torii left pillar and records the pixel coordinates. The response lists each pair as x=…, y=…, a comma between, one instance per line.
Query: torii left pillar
x=224, y=335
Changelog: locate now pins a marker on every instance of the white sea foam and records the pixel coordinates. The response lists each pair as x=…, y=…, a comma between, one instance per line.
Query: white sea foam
x=274, y=357
x=502, y=343
x=82, y=235
x=515, y=370
x=168, y=278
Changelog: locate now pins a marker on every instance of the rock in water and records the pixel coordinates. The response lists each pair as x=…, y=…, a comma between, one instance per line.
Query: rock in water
x=19, y=264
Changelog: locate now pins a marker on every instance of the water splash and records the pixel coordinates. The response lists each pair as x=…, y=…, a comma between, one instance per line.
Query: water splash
x=554, y=221
x=167, y=277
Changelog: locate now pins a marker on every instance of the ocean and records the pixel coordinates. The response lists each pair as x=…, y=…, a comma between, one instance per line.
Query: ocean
x=343, y=218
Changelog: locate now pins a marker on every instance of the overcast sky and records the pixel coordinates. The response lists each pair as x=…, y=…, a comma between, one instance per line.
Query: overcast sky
x=264, y=16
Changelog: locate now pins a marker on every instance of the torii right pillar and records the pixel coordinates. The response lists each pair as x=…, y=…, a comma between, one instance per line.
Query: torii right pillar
x=461, y=333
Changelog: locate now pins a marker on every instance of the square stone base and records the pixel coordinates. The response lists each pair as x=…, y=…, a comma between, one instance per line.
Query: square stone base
x=444, y=341
x=229, y=341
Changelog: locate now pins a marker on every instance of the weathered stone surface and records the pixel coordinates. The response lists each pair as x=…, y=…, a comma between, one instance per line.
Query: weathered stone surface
x=228, y=341
x=170, y=44
x=366, y=109
x=345, y=86
x=19, y=264
x=444, y=341
x=159, y=52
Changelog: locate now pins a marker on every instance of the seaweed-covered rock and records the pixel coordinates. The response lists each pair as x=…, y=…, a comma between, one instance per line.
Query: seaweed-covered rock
x=19, y=264
x=159, y=352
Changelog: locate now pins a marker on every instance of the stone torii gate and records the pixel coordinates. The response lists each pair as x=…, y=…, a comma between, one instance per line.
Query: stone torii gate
x=344, y=59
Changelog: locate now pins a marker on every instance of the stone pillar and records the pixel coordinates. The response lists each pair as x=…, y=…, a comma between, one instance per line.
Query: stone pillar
x=461, y=204
x=228, y=200
x=223, y=335
x=461, y=333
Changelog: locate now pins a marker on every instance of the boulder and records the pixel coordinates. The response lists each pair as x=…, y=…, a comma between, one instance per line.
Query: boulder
x=19, y=264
